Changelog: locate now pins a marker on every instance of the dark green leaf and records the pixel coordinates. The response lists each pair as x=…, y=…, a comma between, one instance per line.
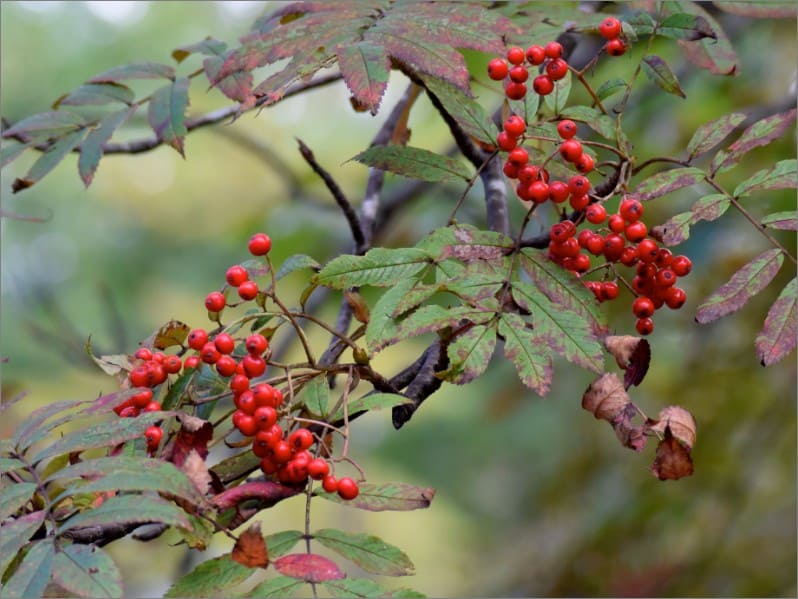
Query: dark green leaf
x=294, y=263
x=533, y=362
x=309, y=567
x=11, y=151
x=415, y=163
x=379, y=266
x=610, y=88
x=466, y=243
x=211, y=578
x=782, y=175
x=373, y=401
x=355, y=587
x=366, y=69
x=780, y=331
x=786, y=221
x=50, y=159
x=710, y=134
x=33, y=574
x=667, y=181
x=368, y=551
x=46, y=125
x=658, y=71
x=601, y=123
x=465, y=110
x=167, y=113
x=129, y=509
x=469, y=354
x=433, y=318
x=177, y=390
x=683, y=26
x=677, y=228
x=92, y=148
x=14, y=535
x=759, y=134
x=398, y=497
x=382, y=329
x=277, y=587
x=641, y=23
x=775, y=9
x=208, y=47
x=280, y=543
x=13, y=496
x=87, y=571
x=744, y=284
x=97, y=94
x=139, y=70
x=557, y=99
x=315, y=396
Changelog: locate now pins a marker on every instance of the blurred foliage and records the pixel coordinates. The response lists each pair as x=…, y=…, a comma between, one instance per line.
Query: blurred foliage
x=534, y=497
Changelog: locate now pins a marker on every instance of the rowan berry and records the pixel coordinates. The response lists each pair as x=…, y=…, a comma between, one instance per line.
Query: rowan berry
x=143, y=353
x=518, y=156
x=239, y=383
x=557, y=69
x=236, y=275
x=245, y=401
x=571, y=150
x=675, y=297
x=318, y=468
x=347, y=488
x=631, y=209
x=635, y=231
x=153, y=406
x=225, y=343
x=172, y=364
x=566, y=128
x=197, y=338
x=259, y=244
x=664, y=258
x=578, y=185
x=265, y=395
x=515, y=55
x=585, y=163
x=153, y=436
x=610, y=28
x=248, y=290
x=139, y=377
x=330, y=484
x=535, y=54
x=579, y=202
x=681, y=265
x=254, y=366
x=643, y=307
x=256, y=344
x=497, y=69
x=628, y=256
x=562, y=230
x=247, y=425
x=506, y=142
x=267, y=465
x=515, y=125
x=665, y=277
x=265, y=416
x=558, y=191
x=538, y=192
x=129, y=412
x=595, y=245
x=609, y=290
x=141, y=398
x=510, y=170
x=543, y=85
x=191, y=362
x=616, y=47
x=580, y=263
x=281, y=452
x=226, y=365
x=519, y=74
x=300, y=439
x=515, y=91
x=613, y=247
x=209, y=354
x=215, y=301
x=647, y=250
x=616, y=224
x=596, y=213
x=553, y=50
x=644, y=326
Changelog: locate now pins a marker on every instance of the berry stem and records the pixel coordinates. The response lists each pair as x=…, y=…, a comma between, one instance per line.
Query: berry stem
x=588, y=88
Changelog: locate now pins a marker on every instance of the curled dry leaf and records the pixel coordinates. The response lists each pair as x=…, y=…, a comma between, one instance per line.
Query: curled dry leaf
x=631, y=436
x=606, y=397
x=196, y=469
x=250, y=548
x=194, y=435
x=633, y=354
x=680, y=422
x=673, y=459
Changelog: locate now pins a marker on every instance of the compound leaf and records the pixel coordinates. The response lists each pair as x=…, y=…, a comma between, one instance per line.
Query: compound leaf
x=97, y=94
x=50, y=159
x=366, y=69
x=759, y=134
x=778, y=335
x=138, y=70
x=416, y=163
x=684, y=26
x=15, y=534
x=211, y=578
x=667, y=181
x=278, y=587
x=91, y=150
x=714, y=54
x=280, y=543
x=677, y=228
x=782, y=175
x=710, y=134
x=87, y=571
x=774, y=9
x=469, y=354
x=13, y=496
x=464, y=109
x=368, y=551
x=786, y=221
x=45, y=125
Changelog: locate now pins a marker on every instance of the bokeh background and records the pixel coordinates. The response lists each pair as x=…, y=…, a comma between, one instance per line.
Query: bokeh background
x=534, y=497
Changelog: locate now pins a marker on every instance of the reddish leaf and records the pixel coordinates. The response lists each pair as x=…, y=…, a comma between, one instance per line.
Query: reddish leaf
x=468, y=113
x=775, y=9
x=267, y=493
x=759, y=134
x=208, y=47
x=744, y=284
x=173, y=333
x=167, y=113
x=782, y=175
x=250, y=548
x=716, y=55
x=139, y=70
x=365, y=68
x=194, y=435
x=778, y=335
x=677, y=228
x=680, y=422
x=398, y=497
x=673, y=459
x=668, y=181
x=606, y=397
x=660, y=73
x=308, y=567
x=786, y=221
x=633, y=354
x=710, y=134
x=91, y=150
x=236, y=86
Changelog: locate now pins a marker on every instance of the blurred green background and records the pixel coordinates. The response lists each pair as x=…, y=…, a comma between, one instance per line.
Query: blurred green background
x=534, y=497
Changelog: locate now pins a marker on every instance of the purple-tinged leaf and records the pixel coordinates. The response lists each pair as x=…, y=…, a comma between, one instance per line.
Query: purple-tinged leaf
x=379, y=266
x=207, y=47
x=49, y=159
x=468, y=113
x=658, y=71
x=773, y=9
x=87, y=571
x=237, y=85
x=667, y=181
x=25, y=434
x=139, y=70
x=129, y=509
x=677, y=229
x=96, y=94
x=778, y=335
x=786, y=221
x=91, y=150
x=710, y=134
x=716, y=55
x=683, y=26
x=280, y=543
x=782, y=175
x=167, y=113
x=277, y=587
x=367, y=551
x=265, y=493
x=45, y=125
x=744, y=284
x=16, y=533
x=309, y=567
x=374, y=401
x=366, y=69
x=433, y=318
x=13, y=496
x=33, y=574
x=211, y=578
x=759, y=134
x=415, y=163
x=396, y=497
x=469, y=354
x=532, y=361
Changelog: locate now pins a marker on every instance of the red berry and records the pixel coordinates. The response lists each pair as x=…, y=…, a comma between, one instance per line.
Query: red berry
x=596, y=213
x=578, y=185
x=300, y=439
x=643, y=307
x=256, y=344
x=519, y=74
x=226, y=365
x=515, y=125
x=506, y=142
x=239, y=383
x=515, y=55
x=628, y=256
x=225, y=343
x=281, y=452
x=347, y=488
x=141, y=398
x=558, y=191
x=636, y=231
x=535, y=54
x=610, y=28
x=571, y=150
x=515, y=91
x=585, y=163
x=647, y=250
x=665, y=277
x=518, y=156
x=613, y=247
x=675, y=297
x=497, y=69
x=139, y=377
x=644, y=326
x=681, y=265
x=330, y=484
x=616, y=47
x=318, y=468
x=631, y=209
x=254, y=366
x=265, y=416
x=566, y=128
x=664, y=258
x=209, y=354
x=553, y=50
x=236, y=275
x=265, y=395
x=197, y=338
x=580, y=263
x=562, y=230
x=259, y=244
x=246, y=425
x=191, y=362
x=616, y=223
x=248, y=290
x=153, y=406
x=215, y=301
x=172, y=364
x=557, y=69
x=143, y=353
x=153, y=436
x=538, y=192
x=245, y=401
x=579, y=202
x=595, y=245
x=609, y=290
x=543, y=85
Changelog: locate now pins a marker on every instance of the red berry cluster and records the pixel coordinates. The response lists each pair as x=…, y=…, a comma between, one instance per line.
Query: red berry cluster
x=625, y=241
x=611, y=29
x=517, y=63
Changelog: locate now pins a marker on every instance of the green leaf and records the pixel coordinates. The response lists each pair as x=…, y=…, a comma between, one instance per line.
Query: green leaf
x=363, y=587
x=309, y=567
x=11, y=151
x=92, y=148
x=667, y=181
x=366, y=70
x=466, y=243
x=786, y=221
x=558, y=98
x=640, y=23
x=315, y=395
x=780, y=331
x=415, y=163
x=209, y=47
x=294, y=263
x=129, y=509
x=104, y=434
x=49, y=159
x=30, y=430
x=87, y=571
x=372, y=401
x=560, y=330
x=122, y=473
x=677, y=229
x=138, y=70
x=280, y=543
x=469, y=354
x=367, y=551
x=710, y=134
x=533, y=362
x=397, y=497
x=611, y=87
x=601, y=123
x=97, y=94
x=46, y=125
x=379, y=266
x=658, y=71
x=683, y=26
x=744, y=284
x=382, y=330
x=717, y=55
x=433, y=318
x=782, y=175
x=278, y=587
x=468, y=113
x=211, y=578
x=10, y=465
x=759, y=134
x=167, y=113
x=14, y=535
x=33, y=574
x=13, y=496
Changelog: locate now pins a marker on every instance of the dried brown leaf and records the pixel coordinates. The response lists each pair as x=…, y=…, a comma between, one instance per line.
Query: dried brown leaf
x=606, y=397
x=673, y=459
x=250, y=548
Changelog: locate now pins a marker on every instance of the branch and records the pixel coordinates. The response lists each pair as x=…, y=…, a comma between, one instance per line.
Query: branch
x=425, y=383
